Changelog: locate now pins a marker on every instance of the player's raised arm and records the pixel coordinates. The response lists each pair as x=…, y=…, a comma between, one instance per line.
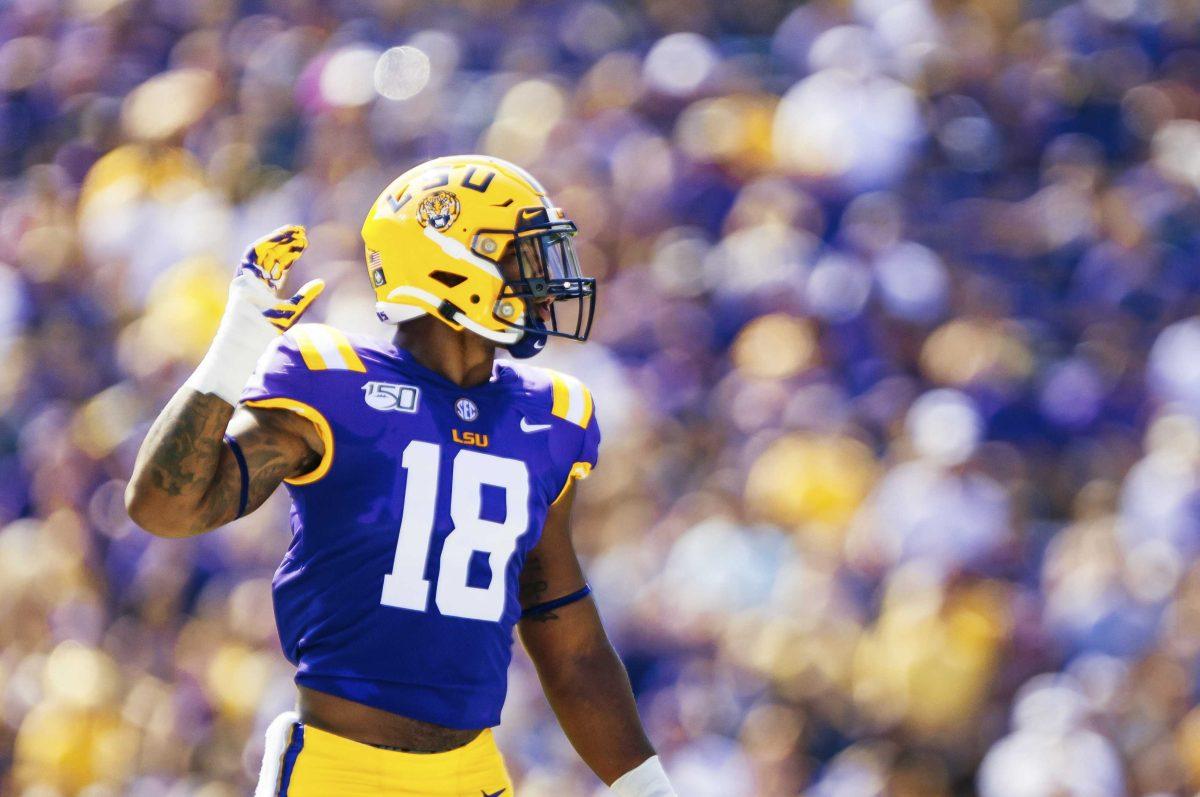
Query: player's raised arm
x=581, y=674
x=201, y=464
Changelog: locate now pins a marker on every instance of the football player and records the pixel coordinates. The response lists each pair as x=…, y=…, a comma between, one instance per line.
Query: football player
x=431, y=489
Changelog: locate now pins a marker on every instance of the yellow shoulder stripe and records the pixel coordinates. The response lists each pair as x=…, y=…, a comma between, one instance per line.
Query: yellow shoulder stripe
x=318, y=420
x=579, y=471
x=325, y=348
x=572, y=400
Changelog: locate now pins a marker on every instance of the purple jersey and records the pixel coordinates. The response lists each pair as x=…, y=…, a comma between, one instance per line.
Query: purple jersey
x=399, y=588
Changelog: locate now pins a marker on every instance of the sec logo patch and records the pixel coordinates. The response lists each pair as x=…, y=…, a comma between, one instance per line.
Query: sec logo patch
x=466, y=409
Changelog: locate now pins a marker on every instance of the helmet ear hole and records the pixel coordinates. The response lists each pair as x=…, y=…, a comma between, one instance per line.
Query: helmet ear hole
x=448, y=279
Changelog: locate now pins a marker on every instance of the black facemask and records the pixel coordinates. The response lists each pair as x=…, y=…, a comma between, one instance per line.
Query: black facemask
x=548, y=279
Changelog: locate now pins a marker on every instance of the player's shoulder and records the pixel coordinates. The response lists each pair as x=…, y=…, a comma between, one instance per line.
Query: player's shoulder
x=325, y=348
x=553, y=393
x=312, y=359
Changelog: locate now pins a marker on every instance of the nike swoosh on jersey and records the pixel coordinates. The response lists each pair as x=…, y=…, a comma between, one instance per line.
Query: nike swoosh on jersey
x=496, y=794
x=526, y=426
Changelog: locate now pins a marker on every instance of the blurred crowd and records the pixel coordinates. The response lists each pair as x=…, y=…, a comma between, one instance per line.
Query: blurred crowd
x=897, y=360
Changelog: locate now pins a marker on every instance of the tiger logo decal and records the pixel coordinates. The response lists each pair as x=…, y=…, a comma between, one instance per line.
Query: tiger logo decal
x=438, y=210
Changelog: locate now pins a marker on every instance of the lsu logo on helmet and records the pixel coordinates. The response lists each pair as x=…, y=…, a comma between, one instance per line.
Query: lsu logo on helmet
x=438, y=210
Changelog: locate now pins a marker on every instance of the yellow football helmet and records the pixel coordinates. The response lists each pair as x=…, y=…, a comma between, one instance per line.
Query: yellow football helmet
x=474, y=242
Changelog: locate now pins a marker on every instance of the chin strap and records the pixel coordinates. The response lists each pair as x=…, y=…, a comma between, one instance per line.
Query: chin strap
x=393, y=312
x=531, y=343
x=503, y=338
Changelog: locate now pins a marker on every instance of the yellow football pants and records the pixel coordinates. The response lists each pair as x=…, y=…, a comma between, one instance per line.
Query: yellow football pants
x=303, y=761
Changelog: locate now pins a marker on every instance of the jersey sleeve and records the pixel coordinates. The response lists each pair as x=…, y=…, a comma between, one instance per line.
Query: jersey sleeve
x=283, y=380
x=589, y=450
x=296, y=363
x=279, y=373
x=573, y=402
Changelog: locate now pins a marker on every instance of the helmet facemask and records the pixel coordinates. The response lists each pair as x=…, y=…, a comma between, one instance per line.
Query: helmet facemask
x=541, y=269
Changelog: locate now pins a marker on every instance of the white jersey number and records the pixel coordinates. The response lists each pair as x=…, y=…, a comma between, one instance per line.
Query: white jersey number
x=406, y=586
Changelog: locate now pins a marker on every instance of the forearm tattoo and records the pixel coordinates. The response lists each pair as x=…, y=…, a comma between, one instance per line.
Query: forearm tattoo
x=185, y=460
x=533, y=589
x=183, y=447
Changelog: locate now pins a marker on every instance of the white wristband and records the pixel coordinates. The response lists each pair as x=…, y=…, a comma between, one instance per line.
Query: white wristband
x=242, y=337
x=647, y=780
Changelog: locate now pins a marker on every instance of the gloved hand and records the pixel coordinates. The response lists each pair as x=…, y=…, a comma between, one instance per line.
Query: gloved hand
x=255, y=314
x=264, y=268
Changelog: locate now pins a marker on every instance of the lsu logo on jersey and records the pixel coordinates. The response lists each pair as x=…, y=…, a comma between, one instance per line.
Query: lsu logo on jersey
x=476, y=439
x=385, y=396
